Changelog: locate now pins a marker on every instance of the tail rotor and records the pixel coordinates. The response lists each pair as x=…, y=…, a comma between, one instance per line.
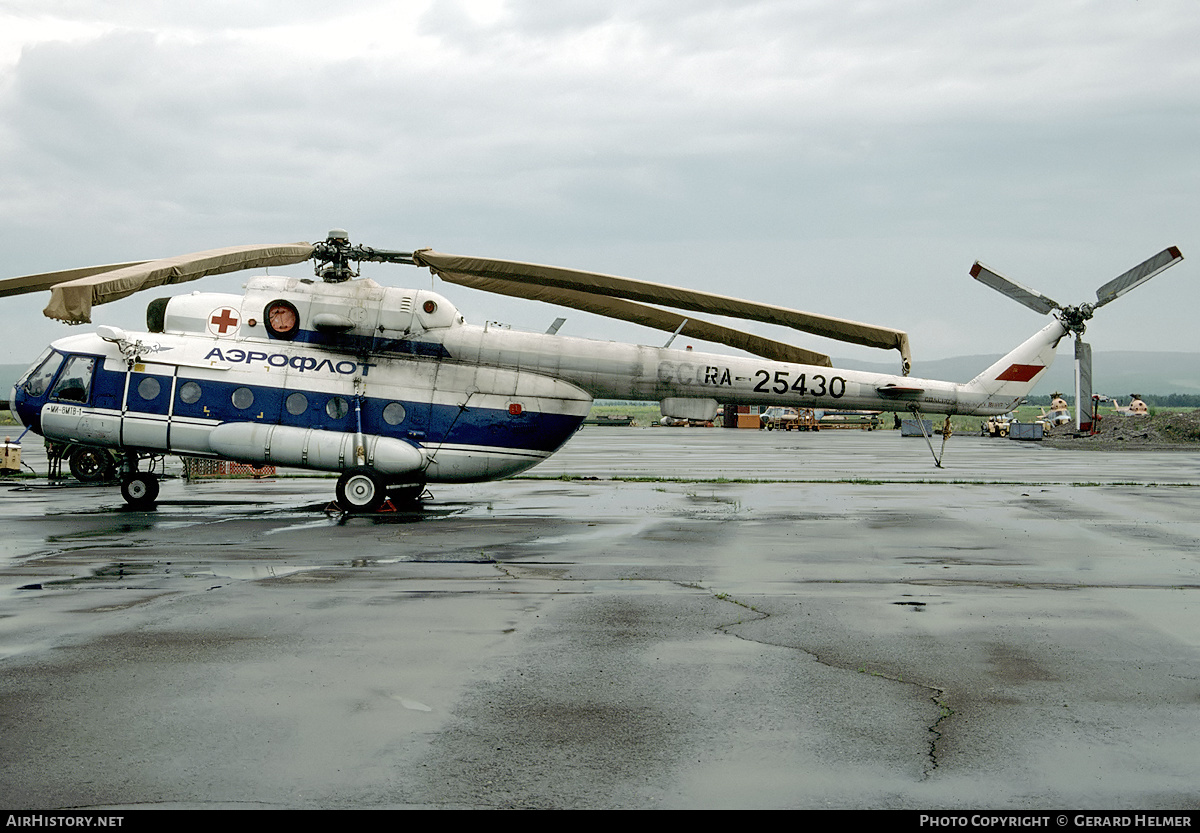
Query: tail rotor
x=1075, y=318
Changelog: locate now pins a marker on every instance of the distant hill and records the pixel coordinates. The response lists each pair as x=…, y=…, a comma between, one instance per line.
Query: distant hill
x=1118, y=373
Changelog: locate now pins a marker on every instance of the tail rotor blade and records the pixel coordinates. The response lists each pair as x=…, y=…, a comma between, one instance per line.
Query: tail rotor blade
x=1138, y=275
x=1083, y=381
x=1006, y=286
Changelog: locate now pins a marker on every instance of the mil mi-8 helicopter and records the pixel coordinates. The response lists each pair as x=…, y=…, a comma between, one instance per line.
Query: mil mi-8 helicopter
x=393, y=390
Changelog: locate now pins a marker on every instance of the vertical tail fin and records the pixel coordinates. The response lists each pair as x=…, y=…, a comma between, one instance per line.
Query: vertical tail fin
x=1013, y=376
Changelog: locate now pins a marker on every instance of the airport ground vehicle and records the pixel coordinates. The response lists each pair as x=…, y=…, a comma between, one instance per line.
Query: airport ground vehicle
x=783, y=419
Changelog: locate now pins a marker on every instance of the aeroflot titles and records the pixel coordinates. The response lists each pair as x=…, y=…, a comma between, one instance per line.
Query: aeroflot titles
x=301, y=363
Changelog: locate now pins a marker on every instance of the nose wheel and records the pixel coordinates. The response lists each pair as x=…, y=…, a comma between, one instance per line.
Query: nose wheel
x=140, y=489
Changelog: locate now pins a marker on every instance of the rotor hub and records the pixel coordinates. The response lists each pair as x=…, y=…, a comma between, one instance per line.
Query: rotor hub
x=1075, y=318
x=335, y=256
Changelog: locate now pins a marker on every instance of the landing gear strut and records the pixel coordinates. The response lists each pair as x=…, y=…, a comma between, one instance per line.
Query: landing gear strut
x=945, y=432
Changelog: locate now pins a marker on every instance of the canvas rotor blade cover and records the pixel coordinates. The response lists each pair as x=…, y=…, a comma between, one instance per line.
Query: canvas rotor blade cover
x=72, y=301
x=456, y=268
x=650, y=317
x=27, y=284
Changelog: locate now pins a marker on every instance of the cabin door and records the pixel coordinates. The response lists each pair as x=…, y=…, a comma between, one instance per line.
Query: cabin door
x=146, y=414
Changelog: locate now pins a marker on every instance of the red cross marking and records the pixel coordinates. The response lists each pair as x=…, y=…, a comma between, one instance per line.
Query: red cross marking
x=225, y=319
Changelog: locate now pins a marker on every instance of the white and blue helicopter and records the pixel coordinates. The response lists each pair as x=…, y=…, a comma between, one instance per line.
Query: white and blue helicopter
x=393, y=390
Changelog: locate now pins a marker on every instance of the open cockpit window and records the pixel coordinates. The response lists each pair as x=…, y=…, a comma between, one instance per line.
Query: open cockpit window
x=75, y=382
x=39, y=377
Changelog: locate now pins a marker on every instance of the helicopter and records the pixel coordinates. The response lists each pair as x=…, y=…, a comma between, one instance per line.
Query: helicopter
x=393, y=390
x=1137, y=406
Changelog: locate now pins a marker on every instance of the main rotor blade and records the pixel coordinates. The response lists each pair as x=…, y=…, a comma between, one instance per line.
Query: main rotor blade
x=650, y=317
x=1007, y=286
x=27, y=284
x=456, y=268
x=72, y=301
x=1138, y=275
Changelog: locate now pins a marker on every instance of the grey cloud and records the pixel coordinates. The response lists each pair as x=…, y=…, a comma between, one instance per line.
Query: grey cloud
x=852, y=158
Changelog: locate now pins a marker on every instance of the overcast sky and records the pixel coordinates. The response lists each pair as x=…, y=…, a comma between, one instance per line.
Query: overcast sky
x=847, y=157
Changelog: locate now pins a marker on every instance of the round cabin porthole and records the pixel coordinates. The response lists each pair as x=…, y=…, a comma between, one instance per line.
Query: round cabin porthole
x=296, y=404
x=393, y=413
x=189, y=393
x=243, y=398
x=282, y=319
x=149, y=388
x=337, y=407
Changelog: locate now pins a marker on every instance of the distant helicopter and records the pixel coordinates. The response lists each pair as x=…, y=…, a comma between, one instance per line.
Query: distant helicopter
x=1136, y=406
x=393, y=390
x=1059, y=413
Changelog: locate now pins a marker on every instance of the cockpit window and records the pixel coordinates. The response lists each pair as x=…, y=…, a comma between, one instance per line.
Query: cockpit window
x=39, y=378
x=75, y=382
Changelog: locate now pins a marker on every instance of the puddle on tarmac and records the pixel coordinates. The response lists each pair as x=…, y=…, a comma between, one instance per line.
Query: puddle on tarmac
x=118, y=572
x=249, y=572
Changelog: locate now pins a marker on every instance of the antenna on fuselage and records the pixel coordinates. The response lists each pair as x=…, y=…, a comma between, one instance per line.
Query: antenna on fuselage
x=682, y=324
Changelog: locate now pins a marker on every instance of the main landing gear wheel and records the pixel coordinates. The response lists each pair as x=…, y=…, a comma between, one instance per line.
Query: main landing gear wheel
x=89, y=465
x=139, y=489
x=361, y=490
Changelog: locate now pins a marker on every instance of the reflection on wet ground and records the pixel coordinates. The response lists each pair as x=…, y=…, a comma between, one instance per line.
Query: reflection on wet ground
x=1016, y=630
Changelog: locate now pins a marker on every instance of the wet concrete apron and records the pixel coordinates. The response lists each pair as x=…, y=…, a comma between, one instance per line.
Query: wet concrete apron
x=1024, y=642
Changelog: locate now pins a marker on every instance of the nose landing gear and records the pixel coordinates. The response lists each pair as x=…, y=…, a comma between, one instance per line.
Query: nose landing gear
x=140, y=489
